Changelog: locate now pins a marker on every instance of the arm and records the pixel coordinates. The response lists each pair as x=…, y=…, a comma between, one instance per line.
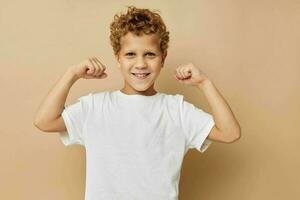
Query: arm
x=227, y=128
x=48, y=117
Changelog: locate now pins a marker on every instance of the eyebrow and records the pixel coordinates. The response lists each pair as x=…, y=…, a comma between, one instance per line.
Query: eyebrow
x=152, y=51
x=145, y=50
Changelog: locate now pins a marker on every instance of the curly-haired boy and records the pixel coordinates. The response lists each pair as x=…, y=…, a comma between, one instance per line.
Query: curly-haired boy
x=136, y=138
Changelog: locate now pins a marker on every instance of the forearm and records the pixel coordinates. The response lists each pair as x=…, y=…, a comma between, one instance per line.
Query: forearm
x=223, y=116
x=53, y=104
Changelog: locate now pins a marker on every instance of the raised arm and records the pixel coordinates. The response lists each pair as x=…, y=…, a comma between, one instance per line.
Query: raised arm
x=226, y=128
x=48, y=117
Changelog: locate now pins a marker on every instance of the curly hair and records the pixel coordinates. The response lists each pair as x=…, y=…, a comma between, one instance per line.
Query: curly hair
x=138, y=21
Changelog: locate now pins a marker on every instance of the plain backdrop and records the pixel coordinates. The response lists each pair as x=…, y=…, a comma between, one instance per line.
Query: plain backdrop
x=249, y=49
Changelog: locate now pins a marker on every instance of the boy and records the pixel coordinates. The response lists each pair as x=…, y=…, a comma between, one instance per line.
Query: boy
x=136, y=138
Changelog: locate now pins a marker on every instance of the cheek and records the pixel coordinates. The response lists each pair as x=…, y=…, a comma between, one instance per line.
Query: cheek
x=128, y=62
x=156, y=62
x=125, y=64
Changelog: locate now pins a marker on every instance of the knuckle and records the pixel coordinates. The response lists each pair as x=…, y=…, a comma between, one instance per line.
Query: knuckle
x=92, y=69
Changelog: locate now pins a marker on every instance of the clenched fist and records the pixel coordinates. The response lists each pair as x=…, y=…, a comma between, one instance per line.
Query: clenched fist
x=190, y=74
x=90, y=68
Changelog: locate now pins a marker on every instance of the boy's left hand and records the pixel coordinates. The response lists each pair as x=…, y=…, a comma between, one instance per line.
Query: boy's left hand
x=189, y=74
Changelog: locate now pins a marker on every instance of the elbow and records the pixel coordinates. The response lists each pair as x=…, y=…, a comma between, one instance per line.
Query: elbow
x=39, y=125
x=36, y=123
x=235, y=136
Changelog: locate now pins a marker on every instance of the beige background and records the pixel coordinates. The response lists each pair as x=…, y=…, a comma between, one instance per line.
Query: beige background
x=249, y=49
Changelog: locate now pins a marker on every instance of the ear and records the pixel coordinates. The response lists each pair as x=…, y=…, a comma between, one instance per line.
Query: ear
x=164, y=57
x=118, y=61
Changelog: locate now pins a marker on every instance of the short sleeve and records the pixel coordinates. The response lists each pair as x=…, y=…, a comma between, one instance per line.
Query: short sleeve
x=196, y=125
x=75, y=116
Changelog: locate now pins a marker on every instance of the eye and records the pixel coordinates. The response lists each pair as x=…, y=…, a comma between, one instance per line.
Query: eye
x=129, y=54
x=150, y=54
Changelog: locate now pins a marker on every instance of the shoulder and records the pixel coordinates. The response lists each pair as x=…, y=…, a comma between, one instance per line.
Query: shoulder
x=174, y=97
x=181, y=102
x=92, y=97
x=172, y=100
x=101, y=94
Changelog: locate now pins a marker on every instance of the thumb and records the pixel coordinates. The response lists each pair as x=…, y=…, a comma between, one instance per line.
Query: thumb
x=104, y=75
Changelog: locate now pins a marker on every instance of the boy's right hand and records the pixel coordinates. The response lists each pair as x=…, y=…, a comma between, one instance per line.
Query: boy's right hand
x=90, y=68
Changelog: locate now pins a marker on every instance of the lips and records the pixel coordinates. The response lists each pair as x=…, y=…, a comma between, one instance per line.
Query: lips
x=140, y=75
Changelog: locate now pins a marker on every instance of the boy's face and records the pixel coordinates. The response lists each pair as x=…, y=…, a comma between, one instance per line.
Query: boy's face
x=140, y=54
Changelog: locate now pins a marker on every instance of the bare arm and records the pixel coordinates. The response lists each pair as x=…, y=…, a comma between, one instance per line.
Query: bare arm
x=227, y=128
x=48, y=117
x=53, y=104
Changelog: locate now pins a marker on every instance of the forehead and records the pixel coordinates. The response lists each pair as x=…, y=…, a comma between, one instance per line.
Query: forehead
x=130, y=41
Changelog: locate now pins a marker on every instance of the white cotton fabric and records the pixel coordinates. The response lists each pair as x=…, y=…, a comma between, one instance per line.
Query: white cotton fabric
x=135, y=144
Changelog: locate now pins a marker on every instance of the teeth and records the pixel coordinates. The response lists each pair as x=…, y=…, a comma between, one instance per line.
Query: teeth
x=141, y=75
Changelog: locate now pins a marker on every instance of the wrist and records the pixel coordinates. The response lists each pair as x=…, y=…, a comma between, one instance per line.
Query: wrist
x=71, y=75
x=204, y=83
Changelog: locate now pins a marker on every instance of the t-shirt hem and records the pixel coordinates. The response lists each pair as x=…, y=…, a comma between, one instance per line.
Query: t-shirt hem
x=67, y=137
x=204, y=141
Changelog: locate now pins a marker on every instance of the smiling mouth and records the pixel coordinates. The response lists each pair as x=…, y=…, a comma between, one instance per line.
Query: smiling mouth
x=141, y=75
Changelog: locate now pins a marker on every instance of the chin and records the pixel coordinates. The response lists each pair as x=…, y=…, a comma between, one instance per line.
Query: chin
x=140, y=89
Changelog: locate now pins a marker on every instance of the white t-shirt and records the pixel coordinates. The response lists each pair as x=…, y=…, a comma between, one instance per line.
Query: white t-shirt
x=135, y=144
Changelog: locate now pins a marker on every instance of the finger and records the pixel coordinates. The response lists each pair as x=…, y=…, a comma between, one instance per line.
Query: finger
x=176, y=77
x=101, y=65
x=181, y=72
x=95, y=66
x=91, y=67
x=186, y=73
x=178, y=74
x=104, y=75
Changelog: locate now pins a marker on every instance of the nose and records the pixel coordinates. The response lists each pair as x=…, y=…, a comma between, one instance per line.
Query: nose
x=140, y=63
